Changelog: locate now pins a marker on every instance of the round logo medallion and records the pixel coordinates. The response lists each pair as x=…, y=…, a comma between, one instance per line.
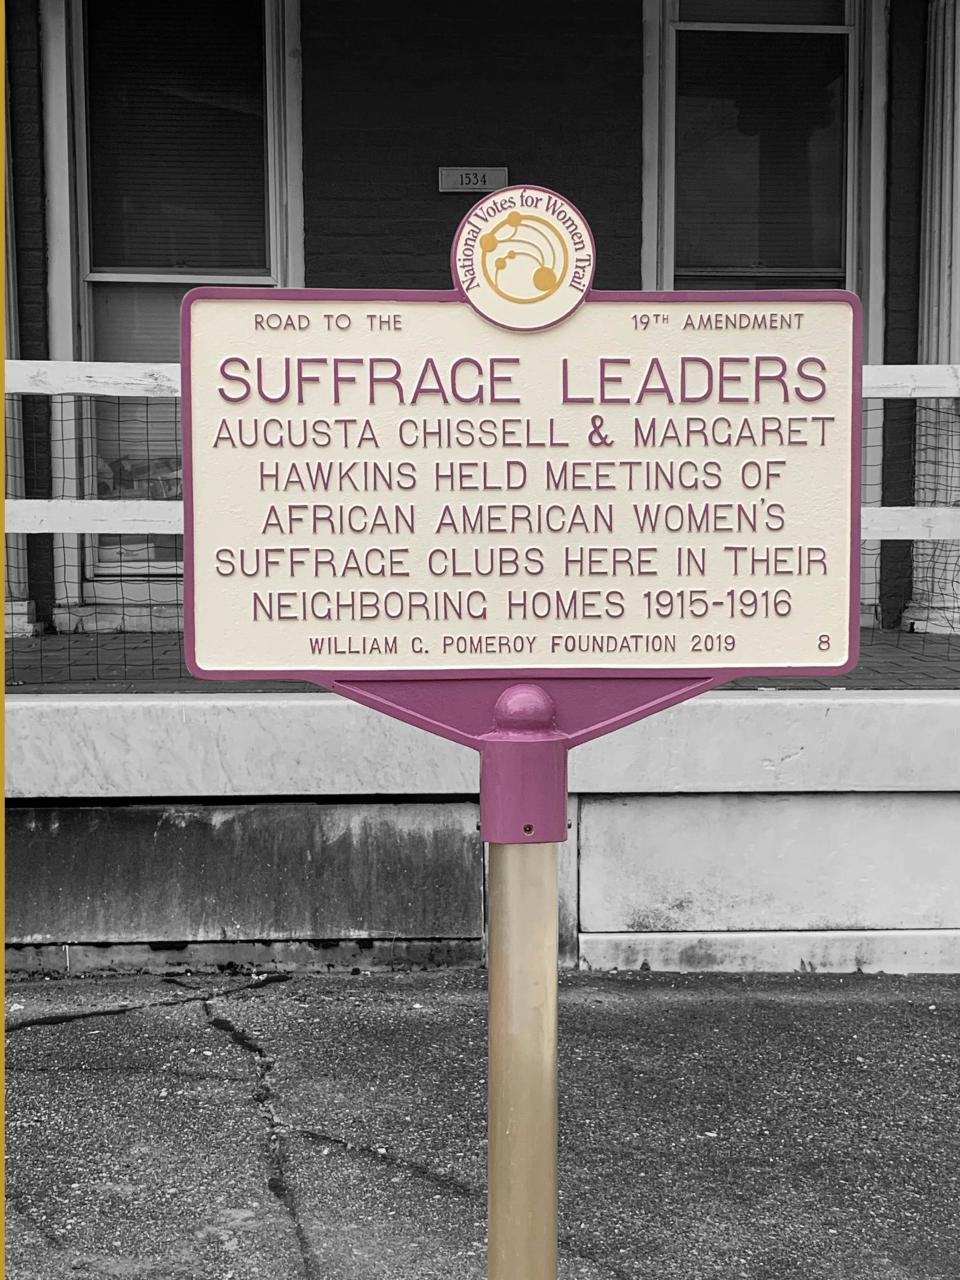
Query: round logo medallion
x=523, y=258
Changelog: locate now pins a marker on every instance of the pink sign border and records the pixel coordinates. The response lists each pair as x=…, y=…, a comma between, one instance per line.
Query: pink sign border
x=327, y=679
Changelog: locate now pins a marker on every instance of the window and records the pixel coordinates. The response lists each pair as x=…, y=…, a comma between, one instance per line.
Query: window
x=760, y=160
x=176, y=120
x=174, y=192
x=754, y=145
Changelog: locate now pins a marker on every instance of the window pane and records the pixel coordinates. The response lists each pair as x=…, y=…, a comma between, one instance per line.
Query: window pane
x=761, y=150
x=175, y=96
x=138, y=441
x=769, y=12
x=138, y=322
x=138, y=448
x=126, y=550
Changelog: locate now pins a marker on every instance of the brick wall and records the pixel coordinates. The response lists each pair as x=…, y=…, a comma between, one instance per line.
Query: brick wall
x=26, y=153
x=908, y=38
x=26, y=147
x=386, y=102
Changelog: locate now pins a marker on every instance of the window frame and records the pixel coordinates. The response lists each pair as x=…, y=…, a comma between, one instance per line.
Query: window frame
x=277, y=230
x=865, y=31
x=674, y=27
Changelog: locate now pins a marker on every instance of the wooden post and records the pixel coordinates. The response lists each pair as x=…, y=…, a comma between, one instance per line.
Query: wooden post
x=522, y=1091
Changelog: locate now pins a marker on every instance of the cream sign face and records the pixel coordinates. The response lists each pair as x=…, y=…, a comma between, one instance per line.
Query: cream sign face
x=393, y=484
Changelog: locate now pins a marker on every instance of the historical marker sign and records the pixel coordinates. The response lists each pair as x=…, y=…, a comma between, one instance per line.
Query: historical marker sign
x=520, y=514
x=389, y=482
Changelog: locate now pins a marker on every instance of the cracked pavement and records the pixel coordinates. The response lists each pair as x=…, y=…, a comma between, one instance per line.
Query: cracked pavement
x=332, y=1127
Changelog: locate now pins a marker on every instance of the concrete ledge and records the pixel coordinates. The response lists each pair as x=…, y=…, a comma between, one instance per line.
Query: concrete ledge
x=771, y=741
x=117, y=746
x=194, y=745
x=834, y=951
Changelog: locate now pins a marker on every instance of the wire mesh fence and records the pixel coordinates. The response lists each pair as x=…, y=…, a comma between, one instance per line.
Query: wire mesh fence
x=96, y=610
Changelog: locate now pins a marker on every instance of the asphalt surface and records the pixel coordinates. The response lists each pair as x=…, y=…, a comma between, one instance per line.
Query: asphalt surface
x=332, y=1128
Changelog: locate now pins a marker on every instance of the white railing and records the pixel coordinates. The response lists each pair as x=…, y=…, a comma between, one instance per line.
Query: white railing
x=126, y=515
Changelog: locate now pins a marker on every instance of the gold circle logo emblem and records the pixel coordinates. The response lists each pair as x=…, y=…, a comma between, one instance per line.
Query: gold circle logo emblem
x=523, y=258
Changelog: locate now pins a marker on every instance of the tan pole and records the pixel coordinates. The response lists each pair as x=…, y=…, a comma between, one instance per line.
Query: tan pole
x=522, y=1090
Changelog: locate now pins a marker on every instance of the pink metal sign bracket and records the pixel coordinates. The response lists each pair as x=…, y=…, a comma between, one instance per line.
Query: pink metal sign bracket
x=523, y=730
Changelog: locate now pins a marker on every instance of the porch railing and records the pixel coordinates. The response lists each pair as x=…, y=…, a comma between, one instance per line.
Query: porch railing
x=94, y=591
x=126, y=515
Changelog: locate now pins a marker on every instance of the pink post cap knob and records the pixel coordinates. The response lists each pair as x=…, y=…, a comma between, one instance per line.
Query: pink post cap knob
x=524, y=708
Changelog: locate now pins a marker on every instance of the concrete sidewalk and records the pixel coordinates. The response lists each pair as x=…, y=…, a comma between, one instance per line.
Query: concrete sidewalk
x=332, y=1128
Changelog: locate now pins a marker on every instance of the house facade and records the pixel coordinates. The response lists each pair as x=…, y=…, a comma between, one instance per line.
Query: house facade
x=712, y=144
